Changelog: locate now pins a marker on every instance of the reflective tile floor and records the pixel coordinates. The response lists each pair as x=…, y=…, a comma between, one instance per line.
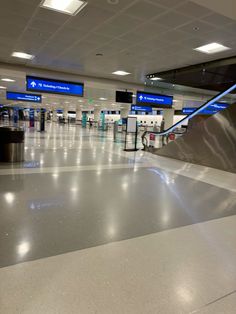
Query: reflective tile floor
x=88, y=228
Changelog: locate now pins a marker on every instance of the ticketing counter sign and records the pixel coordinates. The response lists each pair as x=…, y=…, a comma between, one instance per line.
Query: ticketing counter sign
x=211, y=109
x=141, y=108
x=46, y=85
x=155, y=100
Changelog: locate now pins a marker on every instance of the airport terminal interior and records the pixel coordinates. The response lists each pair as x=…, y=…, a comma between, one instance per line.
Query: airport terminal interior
x=118, y=157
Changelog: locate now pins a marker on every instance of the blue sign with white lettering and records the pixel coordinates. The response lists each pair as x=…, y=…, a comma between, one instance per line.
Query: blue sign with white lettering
x=212, y=109
x=141, y=108
x=24, y=97
x=154, y=99
x=54, y=86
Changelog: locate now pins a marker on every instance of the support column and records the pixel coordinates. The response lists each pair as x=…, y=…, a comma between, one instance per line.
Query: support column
x=125, y=111
x=78, y=114
x=97, y=113
x=168, y=115
x=84, y=119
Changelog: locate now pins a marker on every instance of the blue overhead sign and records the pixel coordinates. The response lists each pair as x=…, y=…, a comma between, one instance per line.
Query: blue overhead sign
x=154, y=99
x=212, y=109
x=141, y=108
x=24, y=97
x=54, y=86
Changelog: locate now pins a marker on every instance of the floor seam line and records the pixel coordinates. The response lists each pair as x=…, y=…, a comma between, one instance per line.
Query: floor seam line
x=213, y=302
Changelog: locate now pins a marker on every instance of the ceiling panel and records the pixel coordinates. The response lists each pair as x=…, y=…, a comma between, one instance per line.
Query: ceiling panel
x=193, y=9
x=232, y=28
x=145, y=10
x=119, y=25
x=90, y=17
x=168, y=3
x=44, y=26
x=173, y=19
x=20, y=8
x=51, y=16
x=197, y=28
x=130, y=35
x=174, y=36
x=100, y=39
x=67, y=36
x=117, y=6
x=139, y=33
x=218, y=20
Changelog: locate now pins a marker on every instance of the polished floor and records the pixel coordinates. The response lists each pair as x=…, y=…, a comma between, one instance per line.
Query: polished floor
x=88, y=228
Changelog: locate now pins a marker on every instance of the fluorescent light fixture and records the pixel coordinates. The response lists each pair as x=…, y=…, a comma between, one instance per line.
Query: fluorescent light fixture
x=7, y=80
x=212, y=48
x=102, y=98
x=71, y=7
x=122, y=73
x=155, y=79
x=2, y=87
x=22, y=55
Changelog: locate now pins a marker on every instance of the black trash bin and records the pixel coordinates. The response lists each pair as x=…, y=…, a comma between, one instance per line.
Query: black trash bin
x=11, y=144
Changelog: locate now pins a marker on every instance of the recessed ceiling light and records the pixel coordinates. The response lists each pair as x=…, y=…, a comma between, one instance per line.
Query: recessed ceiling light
x=22, y=55
x=102, y=98
x=155, y=79
x=71, y=7
x=7, y=80
x=121, y=73
x=2, y=87
x=212, y=48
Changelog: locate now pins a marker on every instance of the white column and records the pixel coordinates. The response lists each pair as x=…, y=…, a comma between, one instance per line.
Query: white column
x=78, y=114
x=168, y=115
x=97, y=113
x=124, y=111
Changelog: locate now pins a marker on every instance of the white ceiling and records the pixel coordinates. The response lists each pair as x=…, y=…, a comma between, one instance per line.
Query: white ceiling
x=139, y=36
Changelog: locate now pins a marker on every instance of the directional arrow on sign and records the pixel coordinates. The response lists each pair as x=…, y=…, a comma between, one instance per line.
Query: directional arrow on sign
x=141, y=97
x=33, y=84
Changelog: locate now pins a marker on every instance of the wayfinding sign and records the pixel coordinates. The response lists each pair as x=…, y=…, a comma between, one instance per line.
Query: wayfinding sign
x=161, y=101
x=141, y=108
x=24, y=97
x=46, y=85
x=214, y=108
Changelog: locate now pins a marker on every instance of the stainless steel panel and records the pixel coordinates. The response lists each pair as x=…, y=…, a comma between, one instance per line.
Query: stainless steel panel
x=211, y=143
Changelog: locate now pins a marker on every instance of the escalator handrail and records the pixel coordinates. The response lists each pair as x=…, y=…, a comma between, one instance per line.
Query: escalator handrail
x=191, y=115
